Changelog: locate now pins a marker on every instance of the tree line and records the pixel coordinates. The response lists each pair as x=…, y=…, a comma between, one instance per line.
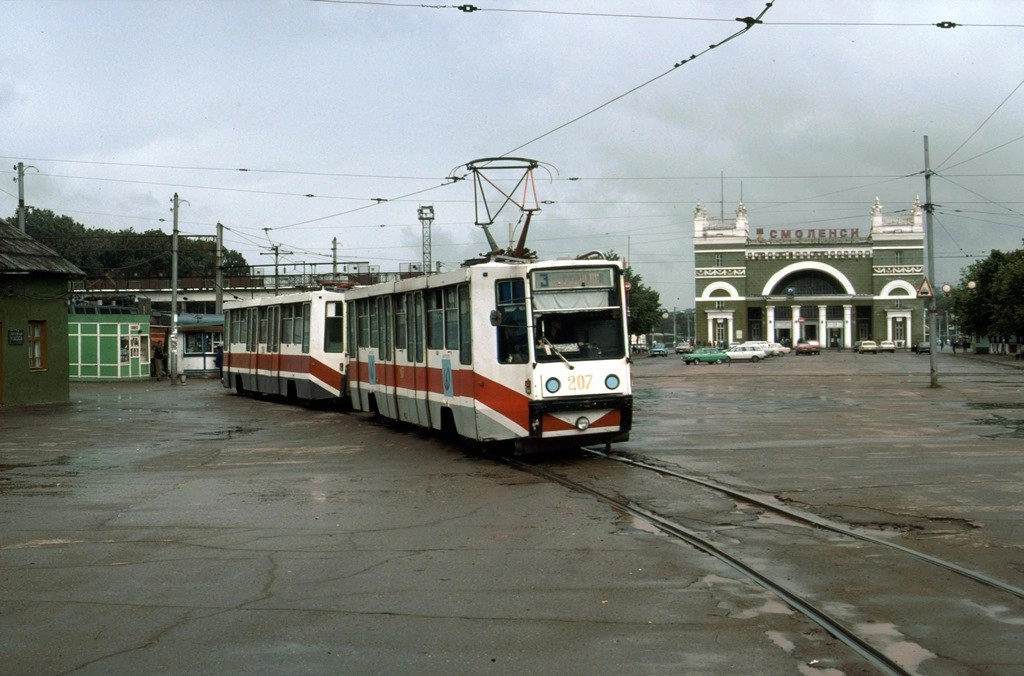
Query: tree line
x=126, y=254
x=989, y=298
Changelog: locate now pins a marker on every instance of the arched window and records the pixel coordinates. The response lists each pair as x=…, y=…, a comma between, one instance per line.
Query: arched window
x=808, y=283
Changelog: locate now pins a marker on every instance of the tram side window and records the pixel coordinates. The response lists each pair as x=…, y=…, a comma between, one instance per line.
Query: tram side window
x=273, y=328
x=416, y=337
x=363, y=319
x=287, y=322
x=304, y=336
x=401, y=325
x=465, y=326
x=451, y=318
x=353, y=322
x=435, y=319
x=334, y=327
x=511, y=331
x=237, y=331
x=250, y=330
x=374, y=316
x=262, y=339
x=383, y=313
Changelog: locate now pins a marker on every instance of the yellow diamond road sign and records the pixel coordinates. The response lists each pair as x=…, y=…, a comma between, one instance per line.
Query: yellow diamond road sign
x=925, y=290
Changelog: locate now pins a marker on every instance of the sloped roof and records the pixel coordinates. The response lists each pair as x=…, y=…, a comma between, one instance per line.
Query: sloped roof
x=21, y=253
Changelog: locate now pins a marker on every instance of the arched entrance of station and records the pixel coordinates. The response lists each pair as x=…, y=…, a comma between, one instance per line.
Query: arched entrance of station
x=812, y=301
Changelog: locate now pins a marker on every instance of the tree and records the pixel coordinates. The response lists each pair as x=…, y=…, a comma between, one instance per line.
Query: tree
x=127, y=254
x=988, y=299
x=643, y=303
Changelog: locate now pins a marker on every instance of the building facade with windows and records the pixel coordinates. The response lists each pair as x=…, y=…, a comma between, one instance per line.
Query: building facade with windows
x=836, y=284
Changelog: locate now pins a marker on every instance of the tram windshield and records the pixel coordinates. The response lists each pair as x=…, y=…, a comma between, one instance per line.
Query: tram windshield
x=577, y=315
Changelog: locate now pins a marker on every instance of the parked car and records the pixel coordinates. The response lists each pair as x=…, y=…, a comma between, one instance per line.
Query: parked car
x=684, y=348
x=887, y=346
x=706, y=355
x=780, y=349
x=746, y=353
x=659, y=350
x=923, y=348
x=763, y=345
x=808, y=347
x=867, y=346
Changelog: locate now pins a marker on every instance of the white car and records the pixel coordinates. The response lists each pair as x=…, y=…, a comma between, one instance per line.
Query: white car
x=887, y=346
x=769, y=349
x=746, y=353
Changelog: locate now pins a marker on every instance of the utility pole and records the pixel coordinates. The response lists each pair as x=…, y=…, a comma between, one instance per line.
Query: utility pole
x=334, y=259
x=219, y=264
x=21, y=193
x=930, y=245
x=275, y=251
x=172, y=349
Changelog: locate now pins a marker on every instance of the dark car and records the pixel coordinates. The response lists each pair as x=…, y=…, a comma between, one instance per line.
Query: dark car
x=923, y=348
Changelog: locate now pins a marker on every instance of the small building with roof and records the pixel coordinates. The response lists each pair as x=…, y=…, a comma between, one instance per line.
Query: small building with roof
x=34, y=288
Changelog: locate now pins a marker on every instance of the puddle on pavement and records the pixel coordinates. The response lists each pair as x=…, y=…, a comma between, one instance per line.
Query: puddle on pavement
x=1014, y=428
x=31, y=485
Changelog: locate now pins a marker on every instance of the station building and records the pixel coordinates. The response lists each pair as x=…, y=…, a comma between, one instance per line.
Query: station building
x=836, y=284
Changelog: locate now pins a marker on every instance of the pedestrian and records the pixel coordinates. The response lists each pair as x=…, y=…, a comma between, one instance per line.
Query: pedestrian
x=218, y=360
x=158, y=360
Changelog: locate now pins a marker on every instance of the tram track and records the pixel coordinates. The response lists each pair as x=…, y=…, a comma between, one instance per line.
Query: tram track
x=853, y=638
x=814, y=520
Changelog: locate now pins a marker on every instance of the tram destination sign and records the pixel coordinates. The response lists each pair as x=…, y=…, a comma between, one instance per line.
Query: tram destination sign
x=804, y=234
x=587, y=278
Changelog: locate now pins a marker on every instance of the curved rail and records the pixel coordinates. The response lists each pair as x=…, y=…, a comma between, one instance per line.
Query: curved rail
x=819, y=617
x=817, y=521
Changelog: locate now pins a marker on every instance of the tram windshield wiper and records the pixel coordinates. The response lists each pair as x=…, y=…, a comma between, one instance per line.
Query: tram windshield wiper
x=550, y=348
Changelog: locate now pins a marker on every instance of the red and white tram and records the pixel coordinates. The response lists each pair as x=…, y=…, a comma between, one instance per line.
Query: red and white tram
x=533, y=353
x=291, y=345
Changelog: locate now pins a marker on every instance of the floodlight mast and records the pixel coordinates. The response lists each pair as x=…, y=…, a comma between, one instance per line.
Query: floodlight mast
x=528, y=204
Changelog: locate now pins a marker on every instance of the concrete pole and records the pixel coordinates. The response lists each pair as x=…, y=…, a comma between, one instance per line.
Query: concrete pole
x=21, y=195
x=930, y=246
x=219, y=265
x=172, y=349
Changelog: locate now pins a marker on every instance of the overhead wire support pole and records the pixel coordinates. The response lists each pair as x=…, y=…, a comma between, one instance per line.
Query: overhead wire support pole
x=21, y=193
x=275, y=250
x=930, y=246
x=219, y=272
x=172, y=351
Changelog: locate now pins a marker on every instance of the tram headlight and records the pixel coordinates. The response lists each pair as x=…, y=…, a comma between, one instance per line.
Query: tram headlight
x=582, y=423
x=611, y=382
x=552, y=385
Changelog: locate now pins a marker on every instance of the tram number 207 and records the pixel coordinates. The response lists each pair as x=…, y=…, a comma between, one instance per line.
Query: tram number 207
x=579, y=383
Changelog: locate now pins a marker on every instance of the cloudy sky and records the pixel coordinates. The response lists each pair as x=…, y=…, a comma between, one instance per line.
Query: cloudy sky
x=347, y=116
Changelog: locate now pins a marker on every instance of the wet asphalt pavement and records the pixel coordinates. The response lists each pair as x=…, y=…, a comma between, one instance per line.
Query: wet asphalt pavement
x=157, y=528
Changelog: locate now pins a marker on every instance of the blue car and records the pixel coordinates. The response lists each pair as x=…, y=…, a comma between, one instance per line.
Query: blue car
x=659, y=350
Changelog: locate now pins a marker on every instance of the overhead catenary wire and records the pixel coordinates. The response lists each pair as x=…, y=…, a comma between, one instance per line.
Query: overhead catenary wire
x=979, y=128
x=749, y=22
x=473, y=9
